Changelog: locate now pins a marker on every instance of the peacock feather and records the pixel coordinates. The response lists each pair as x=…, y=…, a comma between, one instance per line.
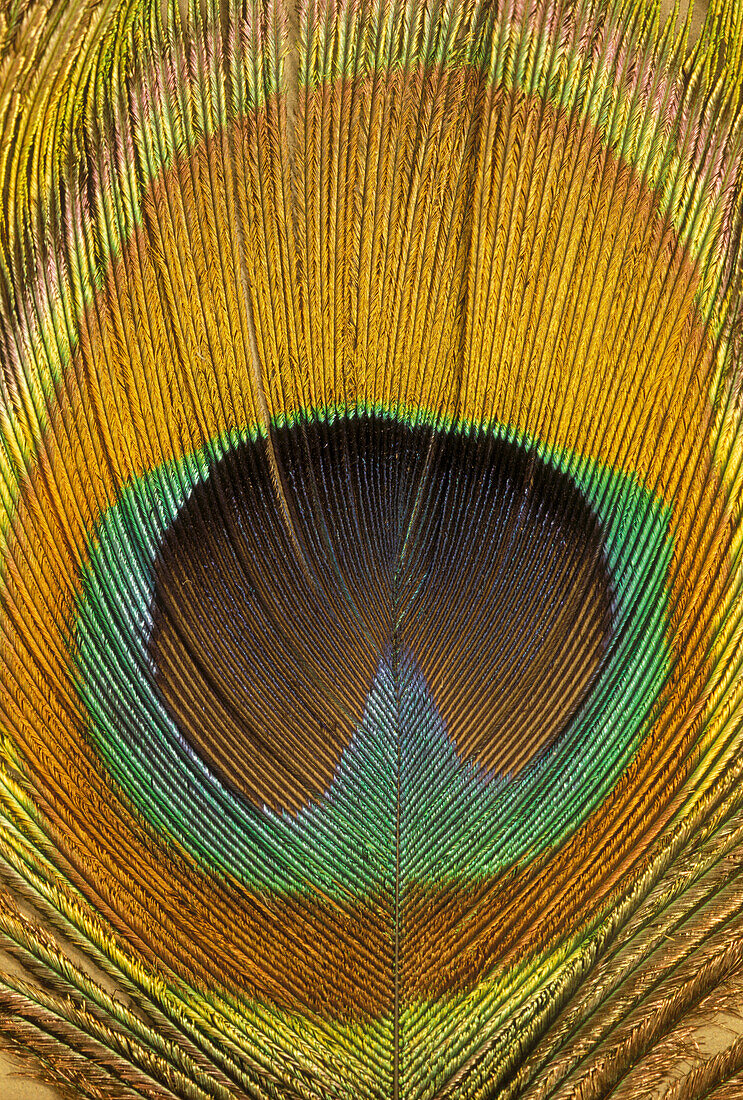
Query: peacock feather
x=372, y=547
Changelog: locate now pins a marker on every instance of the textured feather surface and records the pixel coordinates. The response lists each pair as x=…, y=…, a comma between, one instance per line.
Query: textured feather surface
x=371, y=482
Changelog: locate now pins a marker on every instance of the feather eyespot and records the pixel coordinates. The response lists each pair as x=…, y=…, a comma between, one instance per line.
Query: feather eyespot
x=370, y=587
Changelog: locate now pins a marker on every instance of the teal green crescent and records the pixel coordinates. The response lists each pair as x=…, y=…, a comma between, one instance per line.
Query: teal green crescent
x=341, y=840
